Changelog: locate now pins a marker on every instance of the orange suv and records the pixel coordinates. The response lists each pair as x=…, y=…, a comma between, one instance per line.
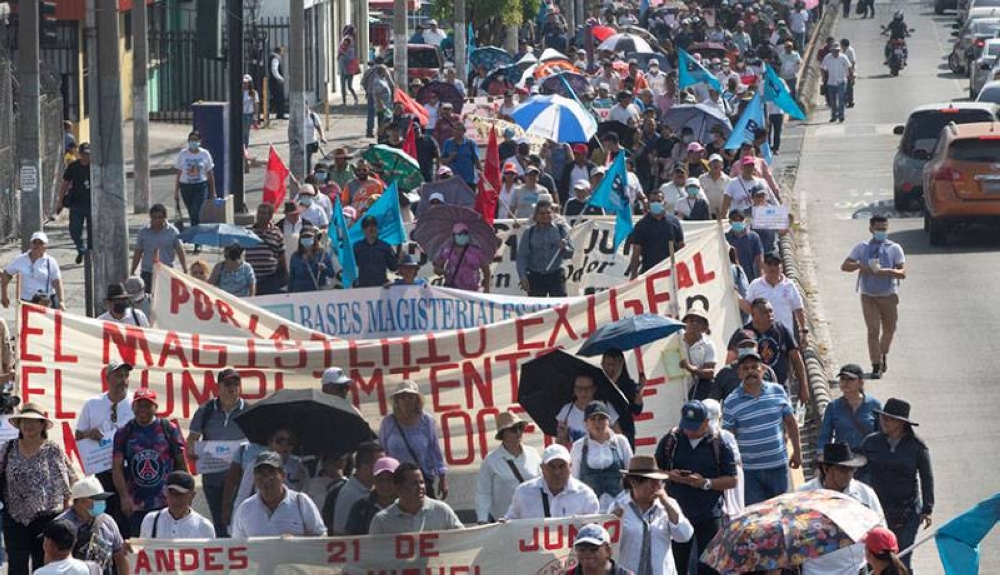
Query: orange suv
x=962, y=178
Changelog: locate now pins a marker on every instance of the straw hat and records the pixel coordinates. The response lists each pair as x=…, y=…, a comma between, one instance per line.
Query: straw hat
x=507, y=420
x=643, y=466
x=30, y=411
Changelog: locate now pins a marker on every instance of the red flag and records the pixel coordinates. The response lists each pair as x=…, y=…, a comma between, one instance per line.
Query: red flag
x=489, y=184
x=411, y=106
x=274, y=180
x=410, y=143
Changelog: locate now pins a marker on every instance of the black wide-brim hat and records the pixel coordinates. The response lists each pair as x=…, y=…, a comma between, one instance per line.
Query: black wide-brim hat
x=897, y=409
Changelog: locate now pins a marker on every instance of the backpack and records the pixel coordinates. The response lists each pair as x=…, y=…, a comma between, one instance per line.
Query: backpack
x=330, y=504
x=165, y=427
x=668, y=445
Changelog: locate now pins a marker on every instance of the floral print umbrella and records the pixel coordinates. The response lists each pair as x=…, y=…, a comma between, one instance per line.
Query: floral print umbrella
x=787, y=530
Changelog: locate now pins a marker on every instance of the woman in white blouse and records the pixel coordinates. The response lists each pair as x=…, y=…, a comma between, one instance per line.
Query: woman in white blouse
x=599, y=455
x=504, y=469
x=650, y=520
x=698, y=353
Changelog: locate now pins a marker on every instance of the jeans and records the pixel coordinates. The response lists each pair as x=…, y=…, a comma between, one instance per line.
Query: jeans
x=704, y=530
x=24, y=543
x=799, y=39
x=777, y=122
x=836, y=94
x=551, y=284
x=247, y=126
x=906, y=532
x=78, y=218
x=370, y=121
x=347, y=83
x=147, y=277
x=194, y=196
x=849, y=95
x=212, y=484
x=763, y=484
x=847, y=7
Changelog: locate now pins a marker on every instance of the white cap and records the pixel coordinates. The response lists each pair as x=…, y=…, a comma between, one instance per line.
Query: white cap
x=692, y=182
x=40, y=236
x=88, y=488
x=436, y=196
x=592, y=534
x=248, y=78
x=335, y=376
x=581, y=185
x=555, y=451
x=715, y=158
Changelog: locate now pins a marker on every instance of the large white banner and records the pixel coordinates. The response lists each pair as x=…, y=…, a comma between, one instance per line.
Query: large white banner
x=467, y=375
x=529, y=547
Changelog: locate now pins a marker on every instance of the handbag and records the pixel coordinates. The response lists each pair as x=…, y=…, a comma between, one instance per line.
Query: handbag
x=3, y=470
x=353, y=66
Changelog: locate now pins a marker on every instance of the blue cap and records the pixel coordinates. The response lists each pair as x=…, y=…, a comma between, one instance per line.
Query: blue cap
x=592, y=534
x=693, y=414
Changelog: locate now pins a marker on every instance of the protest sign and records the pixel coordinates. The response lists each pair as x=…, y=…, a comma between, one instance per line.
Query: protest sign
x=770, y=218
x=467, y=375
x=529, y=547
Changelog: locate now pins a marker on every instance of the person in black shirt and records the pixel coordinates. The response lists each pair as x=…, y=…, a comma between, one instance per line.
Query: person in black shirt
x=375, y=258
x=577, y=205
x=652, y=235
x=428, y=152
x=74, y=193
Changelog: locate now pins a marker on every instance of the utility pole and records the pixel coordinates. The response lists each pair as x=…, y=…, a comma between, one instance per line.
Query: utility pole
x=237, y=161
x=110, y=219
x=140, y=108
x=29, y=149
x=400, y=50
x=92, y=301
x=297, y=89
x=461, y=41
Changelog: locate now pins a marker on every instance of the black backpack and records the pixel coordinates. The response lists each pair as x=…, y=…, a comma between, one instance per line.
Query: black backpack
x=668, y=445
x=330, y=504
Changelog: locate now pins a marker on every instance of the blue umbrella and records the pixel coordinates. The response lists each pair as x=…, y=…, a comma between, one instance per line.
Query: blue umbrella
x=629, y=333
x=555, y=118
x=491, y=57
x=219, y=235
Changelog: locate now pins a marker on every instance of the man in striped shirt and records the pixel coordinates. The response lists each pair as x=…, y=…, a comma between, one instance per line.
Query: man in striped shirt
x=755, y=413
x=267, y=257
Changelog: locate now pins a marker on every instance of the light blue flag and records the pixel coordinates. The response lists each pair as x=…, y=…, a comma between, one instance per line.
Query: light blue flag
x=543, y=12
x=470, y=46
x=958, y=540
x=643, y=8
x=611, y=195
x=690, y=72
x=341, y=245
x=750, y=121
x=385, y=210
x=776, y=91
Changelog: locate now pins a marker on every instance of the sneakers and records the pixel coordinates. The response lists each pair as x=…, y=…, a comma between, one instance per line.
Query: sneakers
x=876, y=371
x=79, y=257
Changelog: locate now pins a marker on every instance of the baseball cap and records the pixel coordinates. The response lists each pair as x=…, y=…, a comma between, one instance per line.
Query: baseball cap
x=748, y=161
x=715, y=158
x=693, y=414
x=879, y=540
x=116, y=365
x=89, y=488
x=40, y=236
x=772, y=256
x=851, y=370
x=750, y=354
x=226, y=375
x=695, y=147
x=268, y=459
x=596, y=408
x=581, y=185
x=144, y=393
x=509, y=168
x=579, y=148
x=436, y=196
x=248, y=78
x=444, y=170
x=62, y=533
x=692, y=182
x=385, y=465
x=555, y=451
x=592, y=534
x=335, y=376
x=180, y=481
x=84, y=148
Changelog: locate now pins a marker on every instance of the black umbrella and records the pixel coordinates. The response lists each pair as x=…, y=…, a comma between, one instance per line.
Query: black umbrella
x=547, y=385
x=325, y=424
x=445, y=92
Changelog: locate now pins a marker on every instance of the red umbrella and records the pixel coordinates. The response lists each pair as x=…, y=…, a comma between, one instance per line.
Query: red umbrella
x=603, y=32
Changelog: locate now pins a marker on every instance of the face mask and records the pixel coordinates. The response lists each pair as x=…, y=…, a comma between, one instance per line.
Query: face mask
x=462, y=239
x=739, y=227
x=880, y=236
x=99, y=508
x=233, y=255
x=693, y=192
x=307, y=242
x=320, y=176
x=656, y=208
x=306, y=201
x=119, y=307
x=744, y=351
x=193, y=146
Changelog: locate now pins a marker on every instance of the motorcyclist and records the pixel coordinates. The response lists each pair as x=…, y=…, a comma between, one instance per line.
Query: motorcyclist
x=897, y=30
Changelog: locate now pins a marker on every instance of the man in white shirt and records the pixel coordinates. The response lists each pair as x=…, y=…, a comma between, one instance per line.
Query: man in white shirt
x=177, y=520
x=739, y=191
x=836, y=70
x=790, y=61
x=848, y=50
x=837, y=465
x=117, y=303
x=655, y=79
x=275, y=510
x=433, y=34
x=312, y=209
x=798, y=22
x=783, y=294
x=624, y=111
x=556, y=493
x=39, y=273
x=60, y=537
x=714, y=183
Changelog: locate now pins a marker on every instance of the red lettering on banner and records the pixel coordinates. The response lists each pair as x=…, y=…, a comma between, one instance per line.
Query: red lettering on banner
x=396, y=345
x=489, y=412
x=281, y=333
x=352, y=354
x=475, y=381
x=197, y=354
x=653, y=295
x=703, y=275
x=374, y=386
x=338, y=551
x=238, y=558
x=464, y=351
x=26, y=331
x=327, y=348
x=226, y=313
x=202, y=305
x=513, y=360
x=60, y=357
x=416, y=546
x=164, y=560
x=252, y=326
x=260, y=389
x=188, y=559
x=520, y=326
x=439, y=385
x=466, y=432
x=179, y=294
x=142, y=563
x=172, y=346
x=302, y=359
x=201, y=393
x=26, y=390
x=613, y=304
x=683, y=276
x=127, y=340
x=69, y=442
x=562, y=321
x=406, y=372
x=432, y=353
x=58, y=391
x=210, y=559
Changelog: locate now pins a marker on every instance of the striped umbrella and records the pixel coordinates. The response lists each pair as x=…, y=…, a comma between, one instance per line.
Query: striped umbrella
x=555, y=118
x=626, y=43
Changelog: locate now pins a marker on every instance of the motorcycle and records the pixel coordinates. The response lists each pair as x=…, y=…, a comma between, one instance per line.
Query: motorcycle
x=897, y=56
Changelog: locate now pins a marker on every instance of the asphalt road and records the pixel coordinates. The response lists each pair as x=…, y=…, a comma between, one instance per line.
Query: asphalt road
x=942, y=361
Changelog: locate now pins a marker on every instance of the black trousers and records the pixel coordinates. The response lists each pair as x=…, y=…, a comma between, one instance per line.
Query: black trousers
x=24, y=543
x=277, y=92
x=551, y=284
x=704, y=531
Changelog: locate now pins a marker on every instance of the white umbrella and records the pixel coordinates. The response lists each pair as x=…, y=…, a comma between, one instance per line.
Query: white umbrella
x=555, y=118
x=627, y=43
x=552, y=54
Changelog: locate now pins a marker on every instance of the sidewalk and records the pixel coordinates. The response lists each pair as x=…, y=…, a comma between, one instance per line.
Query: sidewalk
x=345, y=127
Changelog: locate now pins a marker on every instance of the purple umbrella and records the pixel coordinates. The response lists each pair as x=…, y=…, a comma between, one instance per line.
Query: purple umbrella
x=556, y=84
x=433, y=229
x=455, y=191
x=446, y=93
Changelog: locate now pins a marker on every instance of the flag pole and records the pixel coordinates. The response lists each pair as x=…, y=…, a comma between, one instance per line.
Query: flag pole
x=674, y=305
x=927, y=537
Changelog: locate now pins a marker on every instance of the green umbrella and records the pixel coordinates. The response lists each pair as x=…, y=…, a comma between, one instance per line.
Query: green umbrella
x=395, y=165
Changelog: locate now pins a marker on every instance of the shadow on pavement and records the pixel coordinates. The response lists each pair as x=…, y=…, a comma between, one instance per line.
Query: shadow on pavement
x=966, y=239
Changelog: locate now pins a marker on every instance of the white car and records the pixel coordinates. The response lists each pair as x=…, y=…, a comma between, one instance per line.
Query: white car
x=990, y=93
x=984, y=68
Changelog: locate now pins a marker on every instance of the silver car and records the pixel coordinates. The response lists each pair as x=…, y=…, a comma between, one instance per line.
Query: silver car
x=983, y=69
x=919, y=137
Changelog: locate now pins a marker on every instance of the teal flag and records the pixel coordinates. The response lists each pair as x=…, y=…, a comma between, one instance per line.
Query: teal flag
x=690, y=72
x=751, y=120
x=958, y=540
x=776, y=91
x=341, y=245
x=611, y=195
x=386, y=212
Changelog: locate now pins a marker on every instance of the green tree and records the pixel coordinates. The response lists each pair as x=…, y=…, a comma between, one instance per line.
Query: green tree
x=488, y=17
